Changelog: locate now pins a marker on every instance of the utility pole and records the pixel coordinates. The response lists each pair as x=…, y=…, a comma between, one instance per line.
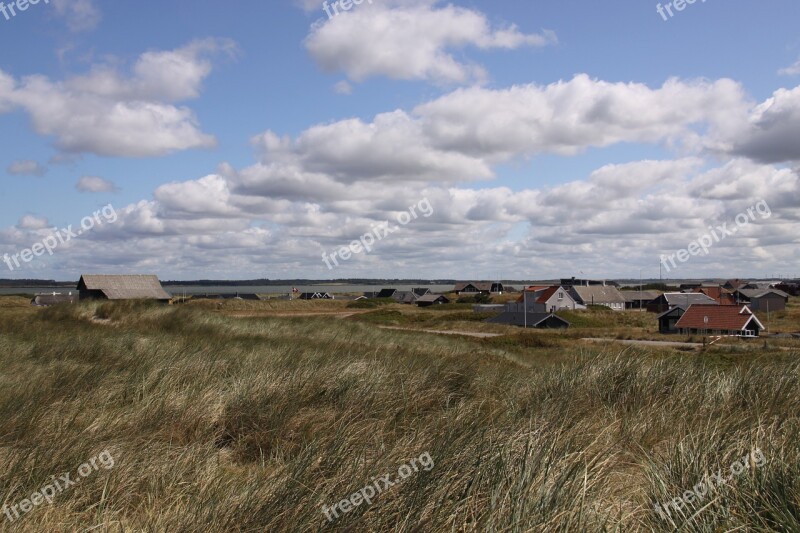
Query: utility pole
x=525, y=304
x=641, y=290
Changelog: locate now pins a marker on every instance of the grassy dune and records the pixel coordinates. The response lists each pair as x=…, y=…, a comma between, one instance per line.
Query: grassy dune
x=222, y=423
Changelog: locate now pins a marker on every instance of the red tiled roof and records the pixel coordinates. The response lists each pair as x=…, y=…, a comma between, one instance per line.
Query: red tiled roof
x=720, y=317
x=532, y=288
x=547, y=294
x=721, y=295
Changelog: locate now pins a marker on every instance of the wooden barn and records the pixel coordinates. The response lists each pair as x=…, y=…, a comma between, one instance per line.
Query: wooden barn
x=122, y=287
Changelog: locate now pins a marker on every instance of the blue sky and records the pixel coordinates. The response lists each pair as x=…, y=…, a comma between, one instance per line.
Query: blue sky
x=246, y=139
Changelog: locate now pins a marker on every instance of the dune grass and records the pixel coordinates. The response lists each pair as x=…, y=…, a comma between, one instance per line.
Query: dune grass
x=225, y=424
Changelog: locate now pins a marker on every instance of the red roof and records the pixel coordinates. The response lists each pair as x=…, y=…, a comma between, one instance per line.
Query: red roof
x=546, y=295
x=549, y=291
x=720, y=317
x=532, y=288
x=721, y=295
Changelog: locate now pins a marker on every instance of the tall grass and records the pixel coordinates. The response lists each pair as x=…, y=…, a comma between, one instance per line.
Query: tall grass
x=224, y=424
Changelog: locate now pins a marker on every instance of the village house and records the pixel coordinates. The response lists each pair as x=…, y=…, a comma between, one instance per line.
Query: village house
x=639, y=299
x=668, y=320
x=316, y=296
x=121, y=287
x=405, y=297
x=429, y=300
x=604, y=295
x=473, y=288
x=545, y=300
x=769, y=300
x=668, y=300
x=724, y=320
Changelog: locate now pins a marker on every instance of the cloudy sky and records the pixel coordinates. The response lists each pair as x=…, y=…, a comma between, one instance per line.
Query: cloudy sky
x=246, y=139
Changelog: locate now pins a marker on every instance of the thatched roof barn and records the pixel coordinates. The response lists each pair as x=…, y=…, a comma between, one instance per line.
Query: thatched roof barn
x=128, y=287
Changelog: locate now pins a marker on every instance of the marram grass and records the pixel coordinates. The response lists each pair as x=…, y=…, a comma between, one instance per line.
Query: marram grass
x=226, y=424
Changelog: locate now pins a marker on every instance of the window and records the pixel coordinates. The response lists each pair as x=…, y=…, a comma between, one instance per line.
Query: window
x=560, y=296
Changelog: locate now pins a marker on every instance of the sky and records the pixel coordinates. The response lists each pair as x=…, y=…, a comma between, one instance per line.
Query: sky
x=400, y=139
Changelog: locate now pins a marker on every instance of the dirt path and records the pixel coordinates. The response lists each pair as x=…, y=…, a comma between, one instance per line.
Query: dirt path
x=670, y=344
x=288, y=314
x=475, y=334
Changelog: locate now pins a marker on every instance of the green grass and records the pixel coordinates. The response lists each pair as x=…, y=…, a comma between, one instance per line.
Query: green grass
x=253, y=424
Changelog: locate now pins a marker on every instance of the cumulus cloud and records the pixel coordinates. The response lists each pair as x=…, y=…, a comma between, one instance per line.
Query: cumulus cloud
x=770, y=132
x=328, y=185
x=26, y=167
x=107, y=113
x=95, y=184
x=411, y=40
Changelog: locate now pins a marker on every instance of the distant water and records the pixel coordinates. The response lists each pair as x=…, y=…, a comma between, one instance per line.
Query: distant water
x=278, y=290
x=264, y=289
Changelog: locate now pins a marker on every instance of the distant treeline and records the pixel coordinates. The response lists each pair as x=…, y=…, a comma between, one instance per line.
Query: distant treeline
x=6, y=283
x=274, y=282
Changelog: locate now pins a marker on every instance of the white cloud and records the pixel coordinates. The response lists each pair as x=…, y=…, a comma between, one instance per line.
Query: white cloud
x=411, y=41
x=30, y=222
x=769, y=132
x=80, y=15
x=95, y=184
x=328, y=185
x=792, y=70
x=108, y=114
x=343, y=87
x=26, y=167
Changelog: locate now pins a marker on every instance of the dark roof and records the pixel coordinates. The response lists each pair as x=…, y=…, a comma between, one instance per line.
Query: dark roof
x=672, y=310
x=421, y=291
x=483, y=286
x=735, y=283
x=685, y=299
x=760, y=293
x=720, y=317
x=635, y=296
x=513, y=318
x=432, y=298
x=126, y=287
x=386, y=293
x=316, y=296
x=406, y=297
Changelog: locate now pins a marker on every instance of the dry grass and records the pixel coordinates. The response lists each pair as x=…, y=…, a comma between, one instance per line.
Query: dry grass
x=252, y=424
